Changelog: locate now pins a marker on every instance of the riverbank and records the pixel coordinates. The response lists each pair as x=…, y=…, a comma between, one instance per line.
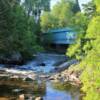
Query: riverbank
x=70, y=75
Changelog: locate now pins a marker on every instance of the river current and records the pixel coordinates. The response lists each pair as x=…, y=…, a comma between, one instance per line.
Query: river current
x=43, y=63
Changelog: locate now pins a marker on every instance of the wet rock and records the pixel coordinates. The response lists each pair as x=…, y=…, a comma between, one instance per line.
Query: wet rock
x=29, y=97
x=14, y=58
x=51, y=78
x=14, y=77
x=74, y=80
x=4, y=77
x=17, y=90
x=42, y=64
x=55, y=78
x=21, y=97
x=2, y=71
x=44, y=76
x=65, y=65
x=71, y=77
x=38, y=98
x=28, y=79
x=56, y=68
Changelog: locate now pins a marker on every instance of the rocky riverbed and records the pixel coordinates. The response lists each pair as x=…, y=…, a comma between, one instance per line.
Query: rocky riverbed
x=56, y=74
x=24, y=81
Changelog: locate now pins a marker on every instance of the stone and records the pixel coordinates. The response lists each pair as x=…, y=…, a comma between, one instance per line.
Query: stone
x=29, y=97
x=17, y=90
x=4, y=77
x=66, y=65
x=55, y=80
x=42, y=64
x=21, y=97
x=45, y=76
x=28, y=79
x=14, y=77
x=2, y=71
x=51, y=78
x=38, y=98
x=14, y=58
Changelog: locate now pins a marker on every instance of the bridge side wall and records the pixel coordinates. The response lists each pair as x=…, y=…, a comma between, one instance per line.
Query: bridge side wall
x=60, y=37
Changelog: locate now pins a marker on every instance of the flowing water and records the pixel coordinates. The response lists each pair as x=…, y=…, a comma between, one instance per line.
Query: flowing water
x=43, y=63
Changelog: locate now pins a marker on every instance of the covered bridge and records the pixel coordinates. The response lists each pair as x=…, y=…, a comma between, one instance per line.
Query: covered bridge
x=60, y=36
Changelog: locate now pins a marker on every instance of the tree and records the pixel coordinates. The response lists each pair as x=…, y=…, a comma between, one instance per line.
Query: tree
x=35, y=7
x=4, y=31
x=17, y=32
x=76, y=7
x=97, y=2
x=91, y=73
x=89, y=9
x=60, y=16
x=80, y=24
x=89, y=45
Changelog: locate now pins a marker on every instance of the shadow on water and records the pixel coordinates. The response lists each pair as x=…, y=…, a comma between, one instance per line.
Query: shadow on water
x=13, y=91
x=48, y=90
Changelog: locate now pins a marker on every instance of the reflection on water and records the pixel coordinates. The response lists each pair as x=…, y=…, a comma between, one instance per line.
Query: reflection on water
x=49, y=91
x=58, y=91
x=12, y=92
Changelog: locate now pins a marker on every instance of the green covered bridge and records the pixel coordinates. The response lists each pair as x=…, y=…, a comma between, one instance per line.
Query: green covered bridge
x=60, y=36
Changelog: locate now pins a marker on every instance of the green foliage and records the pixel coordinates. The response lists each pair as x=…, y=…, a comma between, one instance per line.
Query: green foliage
x=60, y=16
x=88, y=47
x=89, y=9
x=79, y=23
x=97, y=2
x=34, y=7
x=91, y=63
x=90, y=75
x=17, y=31
x=4, y=32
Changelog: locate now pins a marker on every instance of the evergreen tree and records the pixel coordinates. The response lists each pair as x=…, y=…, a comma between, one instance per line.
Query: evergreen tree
x=35, y=7
x=17, y=31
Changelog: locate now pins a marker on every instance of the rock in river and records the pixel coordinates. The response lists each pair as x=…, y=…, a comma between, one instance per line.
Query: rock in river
x=38, y=98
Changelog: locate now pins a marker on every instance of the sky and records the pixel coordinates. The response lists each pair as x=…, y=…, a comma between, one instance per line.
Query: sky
x=53, y=2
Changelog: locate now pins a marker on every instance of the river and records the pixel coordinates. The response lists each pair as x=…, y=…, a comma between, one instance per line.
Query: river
x=43, y=64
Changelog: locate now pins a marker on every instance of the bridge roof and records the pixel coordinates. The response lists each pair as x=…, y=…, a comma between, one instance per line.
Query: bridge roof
x=59, y=30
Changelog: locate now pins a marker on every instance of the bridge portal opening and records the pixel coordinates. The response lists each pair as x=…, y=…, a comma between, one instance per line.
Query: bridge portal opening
x=57, y=48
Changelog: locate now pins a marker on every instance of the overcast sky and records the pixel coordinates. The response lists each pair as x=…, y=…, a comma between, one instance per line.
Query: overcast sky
x=53, y=2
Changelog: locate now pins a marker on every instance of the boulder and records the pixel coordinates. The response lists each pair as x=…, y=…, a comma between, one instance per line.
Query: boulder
x=38, y=98
x=28, y=79
x=21, y=97
x=14, y=58
x=17, y=90
x=42, y=64
x=66, y=65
